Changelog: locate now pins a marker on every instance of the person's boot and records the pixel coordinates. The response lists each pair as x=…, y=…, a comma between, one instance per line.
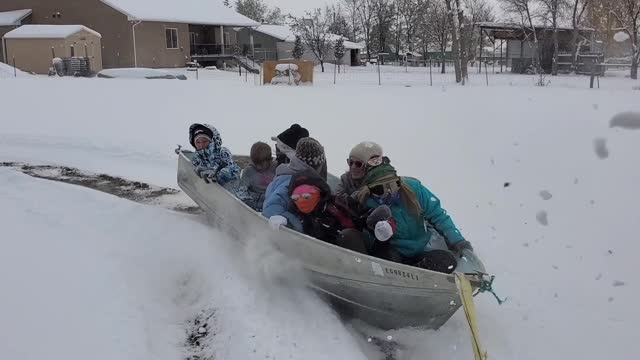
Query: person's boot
x=438, y=260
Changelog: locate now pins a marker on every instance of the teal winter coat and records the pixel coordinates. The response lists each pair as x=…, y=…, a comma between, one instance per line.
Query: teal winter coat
x=412, y=236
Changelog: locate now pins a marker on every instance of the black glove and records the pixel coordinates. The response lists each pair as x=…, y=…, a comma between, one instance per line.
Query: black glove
x=381, y=213
x=458, y=247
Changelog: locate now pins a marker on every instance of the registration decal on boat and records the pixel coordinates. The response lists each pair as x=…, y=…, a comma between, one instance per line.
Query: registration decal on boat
x=400, y=273
x=377, y=269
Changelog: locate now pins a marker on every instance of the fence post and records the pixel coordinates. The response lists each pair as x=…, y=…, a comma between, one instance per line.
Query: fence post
x=334, y=74
x=15, y=72
x=486, y=72
x=593, y=76
x=379, y=79
x=430, y=72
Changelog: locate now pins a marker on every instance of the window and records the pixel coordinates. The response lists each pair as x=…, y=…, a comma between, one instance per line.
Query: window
x=172, y=38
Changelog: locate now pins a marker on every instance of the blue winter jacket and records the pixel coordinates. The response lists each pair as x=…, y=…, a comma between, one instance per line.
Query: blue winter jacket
x=276, y=201
x=412, y=235
x=214, y=157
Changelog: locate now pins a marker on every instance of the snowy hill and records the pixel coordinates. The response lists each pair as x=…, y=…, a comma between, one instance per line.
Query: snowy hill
x=7, y=71
x=521, y=170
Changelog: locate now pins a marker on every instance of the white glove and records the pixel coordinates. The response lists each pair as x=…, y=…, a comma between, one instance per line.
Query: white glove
x=383, y=230
x=276, y=221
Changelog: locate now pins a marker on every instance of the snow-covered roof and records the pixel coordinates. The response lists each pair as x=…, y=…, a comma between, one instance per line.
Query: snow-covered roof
x=280, y=32
x=203, y=12
x=284, y=33
x=47, y=31
x=12, y=18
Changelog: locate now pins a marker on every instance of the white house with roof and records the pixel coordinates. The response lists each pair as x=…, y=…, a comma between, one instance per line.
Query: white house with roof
x=142, y=33
x=276, y=42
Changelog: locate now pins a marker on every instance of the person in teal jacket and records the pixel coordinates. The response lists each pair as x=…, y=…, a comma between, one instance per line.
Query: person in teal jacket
x=415, y=211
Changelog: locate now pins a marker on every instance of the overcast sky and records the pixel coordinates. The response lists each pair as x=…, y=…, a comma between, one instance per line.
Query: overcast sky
x=298, y=7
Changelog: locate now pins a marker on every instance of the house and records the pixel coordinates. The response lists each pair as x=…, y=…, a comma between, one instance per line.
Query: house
x=32, y=47
x=276, y=42
x=144, y=33
x=10, y=20
x=520, y=48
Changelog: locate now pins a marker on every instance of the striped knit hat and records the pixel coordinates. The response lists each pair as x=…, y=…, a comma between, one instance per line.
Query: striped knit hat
x=311, y=152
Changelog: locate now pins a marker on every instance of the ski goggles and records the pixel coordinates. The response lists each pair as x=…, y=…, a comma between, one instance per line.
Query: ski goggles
x=358, y=164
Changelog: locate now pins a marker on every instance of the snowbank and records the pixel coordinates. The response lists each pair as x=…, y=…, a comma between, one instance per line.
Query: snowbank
x=139, y=73
x=85, y=274
x=8, y=71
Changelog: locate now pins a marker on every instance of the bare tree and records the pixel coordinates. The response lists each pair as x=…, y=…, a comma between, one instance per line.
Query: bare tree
x=436, y=28
x=551, y=11
x=339, y=51
x=313, y=29
x=259, y=11
x=523, y=12
x=628, y=14
x=578, y=8
x=366, y=16
x=411, y=12
x=477, y=11
x=456, y=22
x=383, y=15
x=351, y=13
x=339, y=24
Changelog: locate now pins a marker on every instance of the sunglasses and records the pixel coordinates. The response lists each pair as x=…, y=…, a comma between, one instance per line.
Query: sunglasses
x=355, y=163
x=373, y=162
x=306, y=196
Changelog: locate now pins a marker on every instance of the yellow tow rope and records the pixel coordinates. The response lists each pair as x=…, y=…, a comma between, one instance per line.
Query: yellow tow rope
x=466, y=296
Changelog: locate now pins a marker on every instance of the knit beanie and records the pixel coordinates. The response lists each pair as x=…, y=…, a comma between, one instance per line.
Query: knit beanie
x=366, y=150
x=292, y=135
x=311, y=152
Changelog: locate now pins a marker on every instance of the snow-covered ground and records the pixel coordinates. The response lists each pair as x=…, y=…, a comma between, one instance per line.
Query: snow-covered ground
x=7, y=71
x=520, y=168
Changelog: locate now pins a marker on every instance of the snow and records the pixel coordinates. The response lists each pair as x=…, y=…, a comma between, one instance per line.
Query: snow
x=626, y=120
x=621, y=36
x=202, y=12
x=138, y=73
x=8, y=71
x=464, y=143
x=286, y=67
x=280, y=32
x=13, y=18
x=47, y=31
x=600, y=147
x=85, y=274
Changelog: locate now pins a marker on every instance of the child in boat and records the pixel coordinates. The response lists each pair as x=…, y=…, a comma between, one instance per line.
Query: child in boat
x=212, y=162
x=320, y=216
x=257, y=176
x=308, y=156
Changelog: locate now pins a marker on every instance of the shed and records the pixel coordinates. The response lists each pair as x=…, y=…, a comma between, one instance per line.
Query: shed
x=34, y=46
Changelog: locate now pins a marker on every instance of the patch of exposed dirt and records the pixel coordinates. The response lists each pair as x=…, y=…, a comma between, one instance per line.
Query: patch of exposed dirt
x=132, y=190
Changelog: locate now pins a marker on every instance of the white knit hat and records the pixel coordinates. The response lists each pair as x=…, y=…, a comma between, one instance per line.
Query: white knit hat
x=366, y=150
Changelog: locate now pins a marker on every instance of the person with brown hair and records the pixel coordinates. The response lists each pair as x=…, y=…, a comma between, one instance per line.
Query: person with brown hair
x=416, y=214
x=257, y=176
